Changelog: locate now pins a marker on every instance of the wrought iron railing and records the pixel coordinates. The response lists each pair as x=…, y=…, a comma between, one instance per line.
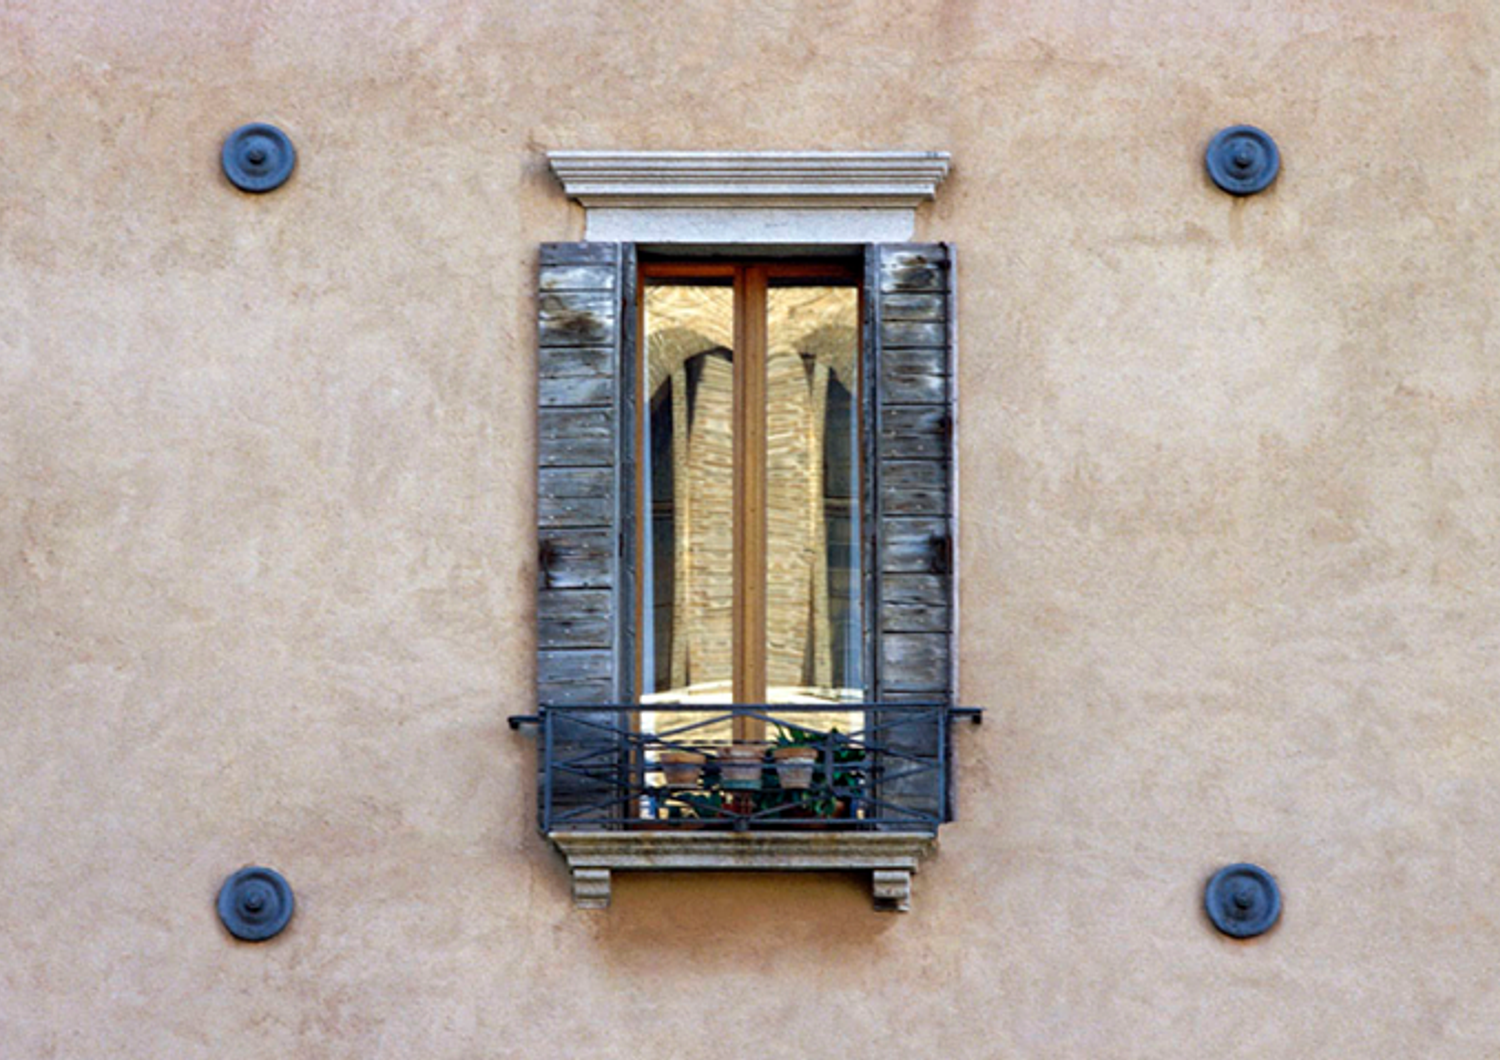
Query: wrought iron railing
x=794, y=767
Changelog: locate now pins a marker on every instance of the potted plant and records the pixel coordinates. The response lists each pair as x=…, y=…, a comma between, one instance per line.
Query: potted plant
x=682, y=769
x=794, y=766
x=740, y=766
x=797, y=753
x=802, y=757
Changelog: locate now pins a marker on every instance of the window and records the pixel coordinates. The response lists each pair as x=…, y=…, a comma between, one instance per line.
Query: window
x=748, y=498
x=745, y=497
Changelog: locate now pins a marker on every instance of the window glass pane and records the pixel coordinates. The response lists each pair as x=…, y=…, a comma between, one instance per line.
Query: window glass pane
x=813, y=613
x=687, y=612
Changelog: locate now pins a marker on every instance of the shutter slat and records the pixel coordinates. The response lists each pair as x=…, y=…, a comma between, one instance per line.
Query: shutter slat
x=576, y=437
x=576, y=390
x=583, y=376
x=575, y=497
x=913, y=487
x=917, y=377
x=577, y=278
x=914, y=432
x=574, y=693
x=580, y=254
x=578, y=604
x=574, y=512
x=560, y=667
x=578, y=618
x=915, y=662
x=577, y=559
x=564, y=362
x=912, y=332
x=914, y=603
x=914, y=307
x=914, y=545
x=574, y=633
x=909, y=267
x=578, y=318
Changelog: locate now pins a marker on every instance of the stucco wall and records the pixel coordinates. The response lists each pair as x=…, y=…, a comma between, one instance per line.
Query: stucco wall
x=1231, y=476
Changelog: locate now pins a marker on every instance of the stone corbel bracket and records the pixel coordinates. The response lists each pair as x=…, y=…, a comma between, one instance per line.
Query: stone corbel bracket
x=750, y=196
x=891, y=858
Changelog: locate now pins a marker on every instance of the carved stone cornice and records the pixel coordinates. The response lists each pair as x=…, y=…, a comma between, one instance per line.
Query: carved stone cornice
x=750, y=179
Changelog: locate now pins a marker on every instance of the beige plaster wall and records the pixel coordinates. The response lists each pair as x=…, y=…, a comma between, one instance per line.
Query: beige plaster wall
x=1230, y=591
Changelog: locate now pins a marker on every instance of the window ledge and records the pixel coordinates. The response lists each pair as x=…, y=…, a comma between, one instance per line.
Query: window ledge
x=890, y=857
x=750, y=196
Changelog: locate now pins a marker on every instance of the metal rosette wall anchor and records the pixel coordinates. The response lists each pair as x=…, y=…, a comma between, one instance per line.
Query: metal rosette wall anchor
x=258, y=157
x=255, y=903
x=1242, y=160
x=1242, y=900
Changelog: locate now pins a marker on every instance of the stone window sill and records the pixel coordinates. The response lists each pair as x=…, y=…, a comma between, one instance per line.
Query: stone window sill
x=890, y=857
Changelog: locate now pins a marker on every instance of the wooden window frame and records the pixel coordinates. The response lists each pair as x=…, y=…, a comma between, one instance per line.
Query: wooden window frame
x=751, y=281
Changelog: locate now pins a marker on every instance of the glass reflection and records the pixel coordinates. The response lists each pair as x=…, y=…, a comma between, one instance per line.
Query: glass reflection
x=813, y=642
x=687, y=646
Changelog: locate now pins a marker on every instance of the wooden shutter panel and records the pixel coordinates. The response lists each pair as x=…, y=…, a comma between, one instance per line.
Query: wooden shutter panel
x=909, y=337
x=584, y=502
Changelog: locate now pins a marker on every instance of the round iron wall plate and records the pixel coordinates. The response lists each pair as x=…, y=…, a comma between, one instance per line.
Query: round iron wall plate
x=258, y=157
x=255, y=903
x=1242, y=159
x=1242, y=900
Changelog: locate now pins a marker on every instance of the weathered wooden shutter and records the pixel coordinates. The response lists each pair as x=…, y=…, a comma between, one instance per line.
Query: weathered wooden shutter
x=584, y=501
x=909, y=414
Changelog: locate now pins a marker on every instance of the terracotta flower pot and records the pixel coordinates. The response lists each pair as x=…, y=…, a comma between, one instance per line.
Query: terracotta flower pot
x=794, y=766
x=682, y=769
x=740, y=766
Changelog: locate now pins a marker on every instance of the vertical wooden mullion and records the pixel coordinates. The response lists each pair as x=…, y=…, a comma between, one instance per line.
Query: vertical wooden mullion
x=754, y=502
x=750, y=496
x=741, y=360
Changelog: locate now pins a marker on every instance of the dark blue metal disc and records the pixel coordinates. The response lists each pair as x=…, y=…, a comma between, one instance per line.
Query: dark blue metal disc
x=1242, y=160
x=1242, y=900
x=255, y=903
x=258, y=157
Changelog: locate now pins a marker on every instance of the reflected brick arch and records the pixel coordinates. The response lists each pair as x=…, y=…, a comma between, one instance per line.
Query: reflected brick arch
x=813, y=346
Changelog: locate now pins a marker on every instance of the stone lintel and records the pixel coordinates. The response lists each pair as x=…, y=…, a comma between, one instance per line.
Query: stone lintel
x=778, y=225
x=890, y=857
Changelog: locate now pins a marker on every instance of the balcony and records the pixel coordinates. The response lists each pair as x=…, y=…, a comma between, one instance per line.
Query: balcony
x=801, y=787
